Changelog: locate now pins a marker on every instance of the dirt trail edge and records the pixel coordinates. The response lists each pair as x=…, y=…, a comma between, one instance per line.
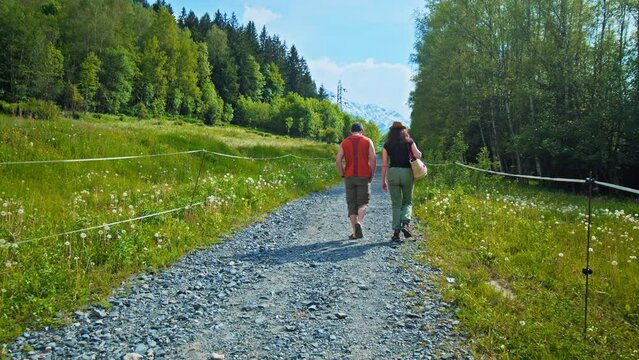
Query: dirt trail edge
x=289, y=287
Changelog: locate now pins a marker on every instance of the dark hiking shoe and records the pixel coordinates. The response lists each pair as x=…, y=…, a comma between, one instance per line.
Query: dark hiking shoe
x=358, y=231
x=395, y=236
x=406, y=230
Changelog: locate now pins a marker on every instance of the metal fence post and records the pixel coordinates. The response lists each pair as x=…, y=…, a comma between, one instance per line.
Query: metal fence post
x=197, y=180
x=587, y=270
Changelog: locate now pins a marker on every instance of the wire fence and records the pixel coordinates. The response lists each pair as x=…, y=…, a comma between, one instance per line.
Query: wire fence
x=130, y=157
x=590, y=181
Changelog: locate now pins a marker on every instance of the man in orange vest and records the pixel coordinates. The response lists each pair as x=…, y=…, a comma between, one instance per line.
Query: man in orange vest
x=359, y=152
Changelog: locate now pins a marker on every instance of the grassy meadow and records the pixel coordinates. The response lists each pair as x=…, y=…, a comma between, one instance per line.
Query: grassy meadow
x=41, y=282
x=512, y=254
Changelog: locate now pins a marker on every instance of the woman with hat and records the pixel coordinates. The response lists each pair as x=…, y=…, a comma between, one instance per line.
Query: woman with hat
x=396, y=154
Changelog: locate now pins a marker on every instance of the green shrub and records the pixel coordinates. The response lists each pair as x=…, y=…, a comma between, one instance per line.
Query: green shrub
x=142, y=112
x=38, y=109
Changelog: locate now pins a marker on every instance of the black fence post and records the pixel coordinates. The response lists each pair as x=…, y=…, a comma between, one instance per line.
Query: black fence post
x=197, y=180
x=587, y=270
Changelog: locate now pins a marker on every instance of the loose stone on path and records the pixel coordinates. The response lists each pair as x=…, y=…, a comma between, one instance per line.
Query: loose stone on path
x=291, y=286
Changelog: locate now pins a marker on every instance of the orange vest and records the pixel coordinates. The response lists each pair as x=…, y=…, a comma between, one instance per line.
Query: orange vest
x=356, y=149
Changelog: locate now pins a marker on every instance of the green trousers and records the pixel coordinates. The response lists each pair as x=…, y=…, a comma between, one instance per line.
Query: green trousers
x=400, y=186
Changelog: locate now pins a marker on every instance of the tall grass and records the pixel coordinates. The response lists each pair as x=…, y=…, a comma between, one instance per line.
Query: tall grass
x=42, y=281
x=513, y=254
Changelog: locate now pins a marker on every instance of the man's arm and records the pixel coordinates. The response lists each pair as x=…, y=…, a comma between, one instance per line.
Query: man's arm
x=372, y=159
x=338, y=161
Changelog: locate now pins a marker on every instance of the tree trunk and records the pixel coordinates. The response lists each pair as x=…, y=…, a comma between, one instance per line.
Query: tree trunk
x=493, y=123
x=481, y=133
x=512, y=134
x=538, y=166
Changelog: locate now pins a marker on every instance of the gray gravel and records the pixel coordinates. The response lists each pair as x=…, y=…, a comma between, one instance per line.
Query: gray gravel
x=289, y=287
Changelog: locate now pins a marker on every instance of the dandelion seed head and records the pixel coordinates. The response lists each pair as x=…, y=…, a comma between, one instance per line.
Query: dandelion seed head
x=614, y=263
x=522, y=322
x=83, y=235
x=561, y=254
x=67, y=243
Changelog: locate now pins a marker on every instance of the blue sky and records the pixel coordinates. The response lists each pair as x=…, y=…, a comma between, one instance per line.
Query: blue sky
x=365, y=44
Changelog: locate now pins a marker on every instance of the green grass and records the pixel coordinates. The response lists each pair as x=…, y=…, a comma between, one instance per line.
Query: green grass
x=42, y=282
x=516, y=254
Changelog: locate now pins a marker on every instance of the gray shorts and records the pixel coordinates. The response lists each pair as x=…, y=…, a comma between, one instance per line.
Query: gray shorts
x=358, y=193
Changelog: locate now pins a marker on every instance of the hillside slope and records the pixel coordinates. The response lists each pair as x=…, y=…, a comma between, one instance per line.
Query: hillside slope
x=43, y=280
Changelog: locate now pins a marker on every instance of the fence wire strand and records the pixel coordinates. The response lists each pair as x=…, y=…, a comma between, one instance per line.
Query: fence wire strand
x=96, y=159
x=28, y=162
x=13, y=244
x=17, y=243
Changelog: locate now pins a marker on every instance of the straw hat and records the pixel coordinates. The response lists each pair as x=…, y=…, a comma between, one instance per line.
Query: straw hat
x=397, y=125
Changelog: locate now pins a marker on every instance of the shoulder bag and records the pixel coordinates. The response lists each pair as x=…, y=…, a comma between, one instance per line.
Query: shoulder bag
x=419, y=168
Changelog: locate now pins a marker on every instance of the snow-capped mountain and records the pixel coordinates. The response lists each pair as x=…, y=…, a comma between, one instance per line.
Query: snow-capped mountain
x=382, y=117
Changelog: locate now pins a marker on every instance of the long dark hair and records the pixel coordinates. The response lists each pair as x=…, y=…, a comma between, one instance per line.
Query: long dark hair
x=397, y=136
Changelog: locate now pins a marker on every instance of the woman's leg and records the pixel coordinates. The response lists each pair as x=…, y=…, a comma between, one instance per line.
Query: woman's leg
x=407, y=196
x=394, y=188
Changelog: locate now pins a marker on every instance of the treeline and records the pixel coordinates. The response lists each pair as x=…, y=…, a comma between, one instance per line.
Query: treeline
x=126, y=56
x=550, y=87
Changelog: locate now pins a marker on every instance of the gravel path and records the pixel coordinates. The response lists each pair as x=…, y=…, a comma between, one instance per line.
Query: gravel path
x=289, y=287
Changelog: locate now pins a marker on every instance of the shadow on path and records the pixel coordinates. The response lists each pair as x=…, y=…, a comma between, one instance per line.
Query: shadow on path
x=326, y=251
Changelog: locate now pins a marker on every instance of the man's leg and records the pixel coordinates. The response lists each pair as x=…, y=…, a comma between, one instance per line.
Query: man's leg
x=364, y=196
x=352, y=201
x=354, y=222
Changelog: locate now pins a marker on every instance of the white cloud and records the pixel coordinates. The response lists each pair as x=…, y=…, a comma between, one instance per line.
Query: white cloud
x=384, y=84
x=260, y=16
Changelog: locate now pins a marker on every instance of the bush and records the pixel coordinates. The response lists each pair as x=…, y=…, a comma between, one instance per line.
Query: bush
x=8, y=108
x=142, y=112
x=32, y=108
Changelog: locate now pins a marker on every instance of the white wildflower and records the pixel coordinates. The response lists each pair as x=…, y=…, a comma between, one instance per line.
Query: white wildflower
x=83, y=235
x=561, y=254
x=522, y=322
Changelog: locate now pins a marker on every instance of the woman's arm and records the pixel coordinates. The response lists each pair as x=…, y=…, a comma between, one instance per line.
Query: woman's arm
x=416, y=153
x=384, y=165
